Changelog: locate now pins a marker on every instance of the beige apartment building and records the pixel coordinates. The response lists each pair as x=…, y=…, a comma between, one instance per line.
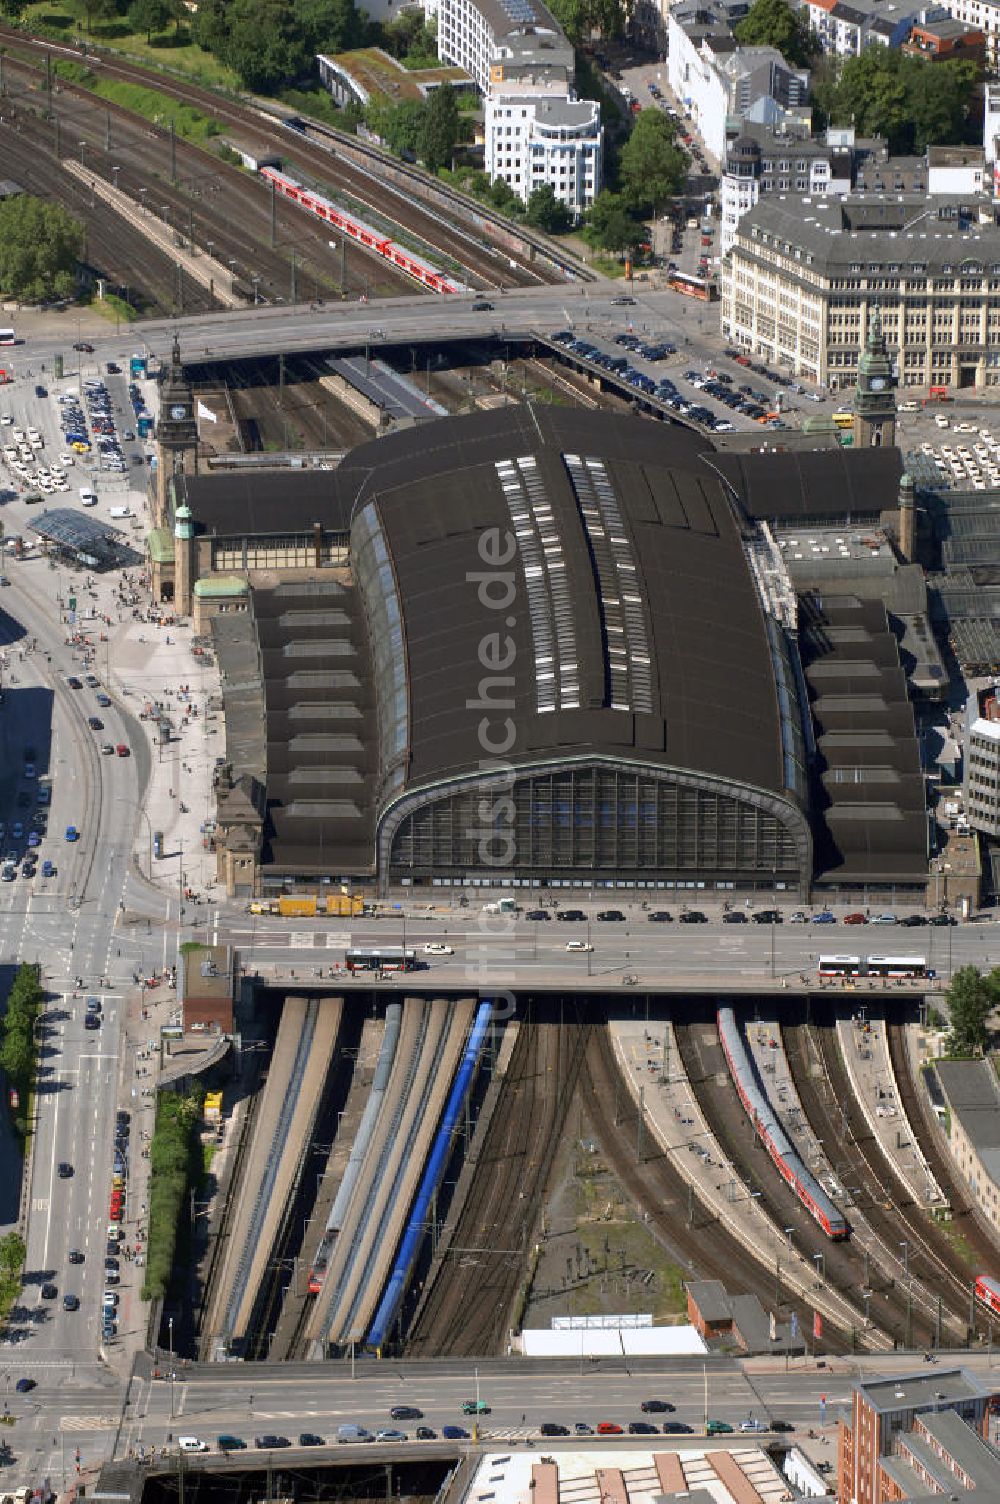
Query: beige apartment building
x=804, y=276
x=972, y=1098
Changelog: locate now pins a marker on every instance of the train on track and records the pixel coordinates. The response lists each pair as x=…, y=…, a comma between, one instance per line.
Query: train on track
x=772, y=1135
x=364, y=234
x=988, y=1291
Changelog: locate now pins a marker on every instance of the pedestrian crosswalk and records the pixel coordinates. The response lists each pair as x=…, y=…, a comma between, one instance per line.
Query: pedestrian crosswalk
x=88, y=1422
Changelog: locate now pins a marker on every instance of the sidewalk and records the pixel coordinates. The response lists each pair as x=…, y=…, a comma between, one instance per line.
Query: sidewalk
x=676, y=1121
x=864, y=1047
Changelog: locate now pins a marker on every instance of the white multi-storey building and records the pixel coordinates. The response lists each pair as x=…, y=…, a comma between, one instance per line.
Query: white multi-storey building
x=846, y=27
x=718, y=82
x=476, y=34
x=536, y=136
x=537, y=130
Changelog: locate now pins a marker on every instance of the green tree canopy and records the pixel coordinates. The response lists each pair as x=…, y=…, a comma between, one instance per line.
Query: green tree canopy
x=913, y=103
x=210, y=27
x=149, y=15
x=971, y=999
x=329, y=25
x=773, y=23
x=546, y=212
x=440, y=130
x=399, y=125
x=265, y=45
x=13, y=1252
x=580, y=19
x=39, y=247
x=610, y=225
x=652, y=166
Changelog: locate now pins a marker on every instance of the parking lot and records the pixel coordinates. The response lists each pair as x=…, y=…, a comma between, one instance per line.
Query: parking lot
x=73, y=443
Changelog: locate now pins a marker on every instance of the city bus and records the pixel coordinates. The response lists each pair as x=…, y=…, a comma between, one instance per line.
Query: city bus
x=7, y=337
x=896, y=966
x=872, y=966
x=839, y=966
x=844, y=420
x=388, y=958
x=988, y=1291
x=694, y=287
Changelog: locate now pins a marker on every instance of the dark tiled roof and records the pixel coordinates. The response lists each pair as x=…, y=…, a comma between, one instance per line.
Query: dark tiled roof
x=713, y=704
x=815, y=483
x=258, y=503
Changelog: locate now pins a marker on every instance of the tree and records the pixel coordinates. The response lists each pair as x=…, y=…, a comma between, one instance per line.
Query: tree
x=971, y=998
x=548, y=212
x=610, y=226
x=265, y=45
x=99, y=10
x=210, y=27
x=39, y=248
x=908, y=100
x=13, y=1252
x=652, y=167
x=149, y=16
x=772, y=23
x=440, y=129
x=579, y=19
x=328, y=25
x=545, y=212
x=400, y=126
x=503, y=197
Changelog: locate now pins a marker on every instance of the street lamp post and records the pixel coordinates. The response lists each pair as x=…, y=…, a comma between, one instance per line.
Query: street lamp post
x=819, y=1259
x=170, y=1340
x=906, y=1257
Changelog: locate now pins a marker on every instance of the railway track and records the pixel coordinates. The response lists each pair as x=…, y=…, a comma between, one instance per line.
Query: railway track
x=840, y=1265
x=969, y=1232
x=885, y=1204
x=112, y=248
x=212, y=205
x=697, y=1243
x=332, y=170
x=490, y=1238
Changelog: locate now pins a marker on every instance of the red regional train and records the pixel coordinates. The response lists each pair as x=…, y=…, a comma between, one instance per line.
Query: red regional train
x=988, y=1291
x=375, y=240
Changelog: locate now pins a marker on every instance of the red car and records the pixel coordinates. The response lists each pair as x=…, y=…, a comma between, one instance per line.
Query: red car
x=122, y=750
x=855, y=919
x=609, y=1428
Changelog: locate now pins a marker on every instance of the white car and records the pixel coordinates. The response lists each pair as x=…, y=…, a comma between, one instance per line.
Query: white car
x=435, y=948
x=752, y=1425
x=578, y=945
x=940, y=420
x=191, y=1444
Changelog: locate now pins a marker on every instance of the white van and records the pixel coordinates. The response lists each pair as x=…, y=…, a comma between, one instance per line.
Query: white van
x=121, y=511
x=88, y=498
x=191, y=1444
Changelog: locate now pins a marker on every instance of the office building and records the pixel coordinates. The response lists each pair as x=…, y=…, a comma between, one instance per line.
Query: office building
x=804, y=275
x=919, y=1436
x=972, y=1118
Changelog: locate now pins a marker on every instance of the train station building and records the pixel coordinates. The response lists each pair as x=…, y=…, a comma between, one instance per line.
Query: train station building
x=554, y=648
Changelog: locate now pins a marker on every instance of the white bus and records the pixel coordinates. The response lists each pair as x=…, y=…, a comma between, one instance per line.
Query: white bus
x=7, y=337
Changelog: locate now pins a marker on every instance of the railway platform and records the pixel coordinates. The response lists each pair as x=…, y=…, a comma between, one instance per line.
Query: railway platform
x=864, y=1049
x=650, y=1064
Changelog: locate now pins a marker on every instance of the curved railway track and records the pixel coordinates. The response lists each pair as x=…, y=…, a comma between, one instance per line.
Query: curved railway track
x=702, y=1247
x=331, y=170
x=970, y=1232
x=212, y=205
x=887, y=1207
x=502, y=1203
x=842, y=1266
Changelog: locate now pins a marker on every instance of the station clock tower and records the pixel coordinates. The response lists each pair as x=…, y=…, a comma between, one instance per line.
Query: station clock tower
x=874, y=395
x=176, y=431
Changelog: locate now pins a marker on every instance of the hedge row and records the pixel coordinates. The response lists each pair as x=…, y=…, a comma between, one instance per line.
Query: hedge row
x=174, y=1168
x=18, y=1045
